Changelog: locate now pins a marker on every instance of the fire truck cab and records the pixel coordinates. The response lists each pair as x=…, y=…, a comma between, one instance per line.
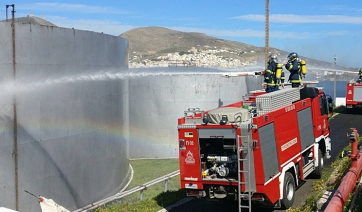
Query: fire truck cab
x=256, y=150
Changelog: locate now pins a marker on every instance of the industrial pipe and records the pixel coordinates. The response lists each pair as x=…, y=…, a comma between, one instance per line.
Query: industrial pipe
x=340, y=197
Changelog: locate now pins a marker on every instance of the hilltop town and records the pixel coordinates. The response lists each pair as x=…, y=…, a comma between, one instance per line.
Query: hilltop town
x=210, y=58
x=197, y=58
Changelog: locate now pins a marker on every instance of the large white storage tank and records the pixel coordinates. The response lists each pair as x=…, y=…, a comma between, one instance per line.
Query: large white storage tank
x=70, y=131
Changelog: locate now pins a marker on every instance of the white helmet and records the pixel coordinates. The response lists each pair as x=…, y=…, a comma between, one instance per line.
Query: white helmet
x=273, y=58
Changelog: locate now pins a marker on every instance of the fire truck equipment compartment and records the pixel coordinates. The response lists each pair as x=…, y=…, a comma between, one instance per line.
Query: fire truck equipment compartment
x=233, y=114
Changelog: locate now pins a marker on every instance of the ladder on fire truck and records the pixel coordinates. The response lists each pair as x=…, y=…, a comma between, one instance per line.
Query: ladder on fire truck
x=245, y=156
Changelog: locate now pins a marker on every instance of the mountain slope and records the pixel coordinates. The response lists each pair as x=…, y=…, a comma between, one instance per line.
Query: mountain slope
x=155, y=39
x=150, y=43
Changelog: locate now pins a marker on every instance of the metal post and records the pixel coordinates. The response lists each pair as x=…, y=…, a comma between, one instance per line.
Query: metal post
x=7, y=6
x=335, y=81
x=334, y=88
x=15, y=122
x=166, y=185
x=141, y=195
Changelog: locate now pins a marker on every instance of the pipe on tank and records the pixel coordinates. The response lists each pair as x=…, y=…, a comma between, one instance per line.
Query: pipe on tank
x=348, y=182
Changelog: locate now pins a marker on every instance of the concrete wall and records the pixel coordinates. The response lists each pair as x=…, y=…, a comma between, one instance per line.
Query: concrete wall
x=71, y=128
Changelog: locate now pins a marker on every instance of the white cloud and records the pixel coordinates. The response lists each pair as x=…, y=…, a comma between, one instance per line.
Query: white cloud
x=77, y=8
x=290, y=18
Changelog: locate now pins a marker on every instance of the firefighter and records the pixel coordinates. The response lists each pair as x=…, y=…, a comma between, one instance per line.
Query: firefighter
x=296, y=67
x=360, y=75
x=274, y=75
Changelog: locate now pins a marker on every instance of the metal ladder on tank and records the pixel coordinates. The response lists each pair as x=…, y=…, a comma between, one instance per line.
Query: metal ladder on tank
x=245, y=146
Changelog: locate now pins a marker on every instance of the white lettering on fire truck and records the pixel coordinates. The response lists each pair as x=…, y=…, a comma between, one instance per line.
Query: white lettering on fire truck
x=190, y=185
x=191, y=178
x=290, y=108
x=349, y=92
x=190, y=143
x=289, y=144
x=189, y=158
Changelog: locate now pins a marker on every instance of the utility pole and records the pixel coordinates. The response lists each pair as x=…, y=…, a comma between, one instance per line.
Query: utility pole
x=15, y=121
x=266, y=32
x=335, y=80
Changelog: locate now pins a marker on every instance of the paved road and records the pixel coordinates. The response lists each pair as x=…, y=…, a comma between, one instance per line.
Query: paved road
x=340, y=126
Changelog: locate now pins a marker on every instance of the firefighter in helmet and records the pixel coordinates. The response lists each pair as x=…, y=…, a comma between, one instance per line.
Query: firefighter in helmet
x=360, y=76
x=274, y=75
x=296, y=67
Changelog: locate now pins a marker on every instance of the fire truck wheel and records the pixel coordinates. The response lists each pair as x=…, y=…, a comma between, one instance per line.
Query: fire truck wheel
x=319, y=170
x=288, y=191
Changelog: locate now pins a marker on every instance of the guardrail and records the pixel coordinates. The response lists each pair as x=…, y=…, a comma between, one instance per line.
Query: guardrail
x=123, y=194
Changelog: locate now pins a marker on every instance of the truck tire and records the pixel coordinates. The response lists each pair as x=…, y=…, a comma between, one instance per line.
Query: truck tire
x=317, y=174
x=288, y=191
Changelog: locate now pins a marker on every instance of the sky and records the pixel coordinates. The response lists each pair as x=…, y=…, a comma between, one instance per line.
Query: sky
x=318, y=29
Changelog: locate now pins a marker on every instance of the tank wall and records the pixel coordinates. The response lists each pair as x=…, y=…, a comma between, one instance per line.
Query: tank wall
x=158, y=101
x=72, y=129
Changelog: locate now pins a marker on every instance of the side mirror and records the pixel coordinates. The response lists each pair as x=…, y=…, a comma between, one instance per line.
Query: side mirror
x=330, y=105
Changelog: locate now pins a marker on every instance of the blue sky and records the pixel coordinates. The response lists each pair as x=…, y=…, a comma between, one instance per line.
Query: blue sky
x=318, y=29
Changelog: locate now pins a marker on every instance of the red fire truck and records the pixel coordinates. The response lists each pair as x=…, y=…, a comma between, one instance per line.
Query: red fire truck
x=354, y=94
x=257, y=150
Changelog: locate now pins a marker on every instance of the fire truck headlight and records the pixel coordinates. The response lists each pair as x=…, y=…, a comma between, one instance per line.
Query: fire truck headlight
x=224, y=120
x=205, y=120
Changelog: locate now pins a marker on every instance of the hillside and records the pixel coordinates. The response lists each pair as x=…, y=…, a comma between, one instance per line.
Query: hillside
x=158, y=39
x=157, y=44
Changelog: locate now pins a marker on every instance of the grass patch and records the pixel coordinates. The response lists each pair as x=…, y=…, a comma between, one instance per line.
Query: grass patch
x=146, y=170
x=341, y=109
x=154, y=197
